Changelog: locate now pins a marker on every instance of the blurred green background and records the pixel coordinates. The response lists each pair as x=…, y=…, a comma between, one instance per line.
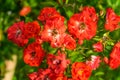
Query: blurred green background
x=9, y=13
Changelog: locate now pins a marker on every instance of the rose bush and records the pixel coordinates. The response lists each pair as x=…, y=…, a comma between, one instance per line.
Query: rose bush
x=81, y=26
x=65, y=40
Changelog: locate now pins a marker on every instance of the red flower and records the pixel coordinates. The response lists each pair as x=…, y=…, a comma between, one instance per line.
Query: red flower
x=115, y=56
x=98, y=47
x=114, y=63
x=83, y=25
x=32, y=29
x=33, y=54
x=112, y=20
x=90, y=13
x=57, y=63
x=38, y=39
x=61, y=78
x=16, y=34
x=69, y=42
x=46, y=13
x=33, y=76
x=80, y=71
x=25, y=10
x=94, y=62
x=106, y=60
x=40, y=75
x=53, y=31
x=46, y=74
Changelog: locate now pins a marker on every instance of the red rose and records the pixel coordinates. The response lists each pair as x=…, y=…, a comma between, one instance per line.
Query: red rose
x=33, y=76
x=82, y=25
x=106, y=60
x=25, y=10
x=69, y=42
x=40, y=75
x=31, y=29
x=61, y=78
x=46, y=74
x=53, y=31
x=58, y=63
x=90, y=13
x=116, y=51
x=16, y=34
x=38, y=39
x=94, y=62
x=81, y=71
x=46, y=13
x=33, y=54
x=98, y=47
x=114, y=61
x=112, y=20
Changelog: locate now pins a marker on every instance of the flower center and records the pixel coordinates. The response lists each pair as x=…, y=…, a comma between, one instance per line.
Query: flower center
x=49, y=15
x=56, y=61
x=18, y=33
x=46, y=77
x=33, y=54
x=54, y=32
x=82, y=26
x=80, y=72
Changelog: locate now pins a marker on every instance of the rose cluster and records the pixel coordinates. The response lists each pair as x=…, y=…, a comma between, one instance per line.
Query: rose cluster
x=81, y=26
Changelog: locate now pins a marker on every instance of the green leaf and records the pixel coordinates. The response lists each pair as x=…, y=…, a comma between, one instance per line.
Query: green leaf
x=115, y=35
x=100, y=78
x=61, y=2
x=99, y=73
x=108, y=47
x=28, y=19
x=66, y=1
x=69, y=13
x=48, y=3
x=48, y=48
